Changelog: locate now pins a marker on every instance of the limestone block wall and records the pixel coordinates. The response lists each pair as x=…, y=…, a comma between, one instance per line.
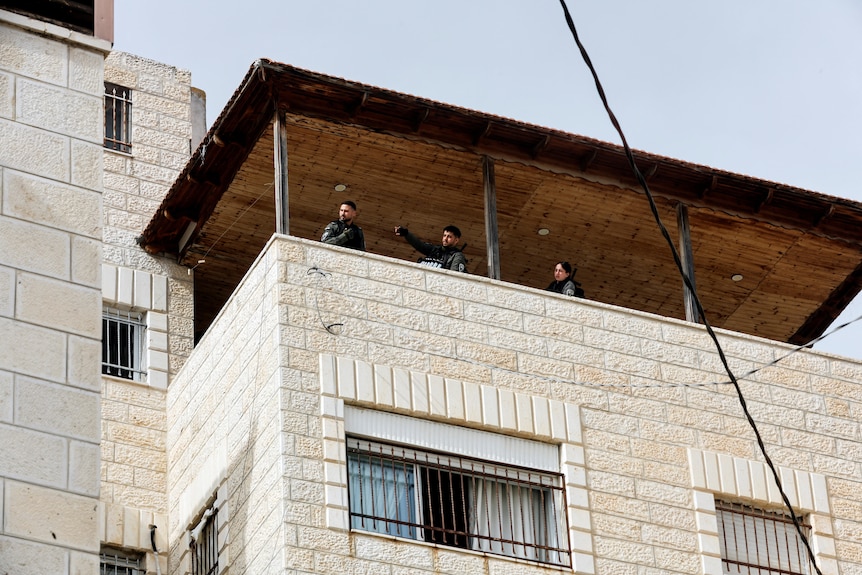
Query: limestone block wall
x=50, y=296
x=661, y=434
x=225, y=433
x=136, y=183
x=134, y=463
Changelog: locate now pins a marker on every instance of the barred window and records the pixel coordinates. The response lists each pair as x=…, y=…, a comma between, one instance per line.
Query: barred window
x=123, y=344
x=204, y=544
x=759, y=542
x=458, y=502
x=115, y=562
x=118, y=118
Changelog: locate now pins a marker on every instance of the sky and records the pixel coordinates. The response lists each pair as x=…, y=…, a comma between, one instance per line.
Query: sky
x=771, y=89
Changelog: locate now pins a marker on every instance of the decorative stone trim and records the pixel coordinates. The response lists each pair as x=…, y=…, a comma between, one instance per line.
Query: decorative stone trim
x=744, y=479
x=129, y=528
x=461, y=403
x=143, y=291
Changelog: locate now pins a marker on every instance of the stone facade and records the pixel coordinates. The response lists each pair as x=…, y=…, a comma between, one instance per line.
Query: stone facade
x=650, y=431
x=134, y=469
x=51, y=95
x=70, y=213
x=251, y=425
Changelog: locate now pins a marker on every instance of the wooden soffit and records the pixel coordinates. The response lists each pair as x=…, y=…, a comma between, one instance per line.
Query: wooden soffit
x=414, y=162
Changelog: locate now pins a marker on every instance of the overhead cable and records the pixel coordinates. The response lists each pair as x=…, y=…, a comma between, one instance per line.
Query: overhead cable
x=689, y=284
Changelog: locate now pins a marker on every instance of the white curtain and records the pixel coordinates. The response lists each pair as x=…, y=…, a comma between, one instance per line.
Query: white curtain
x=382, y=494
x=521, y=515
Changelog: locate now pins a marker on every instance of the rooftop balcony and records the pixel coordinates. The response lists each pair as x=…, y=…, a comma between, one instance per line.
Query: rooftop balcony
x=768, y=260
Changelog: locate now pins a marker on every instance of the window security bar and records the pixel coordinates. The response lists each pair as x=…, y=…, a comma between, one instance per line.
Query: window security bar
x=759, y=542
x=118, y=118
x=123, y=344
x=457, y=502
x=204, y=546
x=116, y=564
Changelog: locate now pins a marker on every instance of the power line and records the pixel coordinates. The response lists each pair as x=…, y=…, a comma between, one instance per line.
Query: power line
x=689, y=284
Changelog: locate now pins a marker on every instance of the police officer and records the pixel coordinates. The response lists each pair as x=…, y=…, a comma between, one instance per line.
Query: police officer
x=343, y=232
x=447, y=256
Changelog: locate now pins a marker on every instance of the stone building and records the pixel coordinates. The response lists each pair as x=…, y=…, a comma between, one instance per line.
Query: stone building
x=272, y=404
x=90, y=141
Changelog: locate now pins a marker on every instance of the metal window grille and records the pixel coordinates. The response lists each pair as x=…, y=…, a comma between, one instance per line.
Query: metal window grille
x=118, y=118
x=123, y=344
x=116, y=563
x=204, y=546
x=458, y=502
x=759, y=542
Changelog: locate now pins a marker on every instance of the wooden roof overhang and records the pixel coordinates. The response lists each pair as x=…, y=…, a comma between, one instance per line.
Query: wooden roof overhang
x=414, y=162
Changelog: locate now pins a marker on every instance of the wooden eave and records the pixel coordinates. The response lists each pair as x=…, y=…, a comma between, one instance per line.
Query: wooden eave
x=382, y=142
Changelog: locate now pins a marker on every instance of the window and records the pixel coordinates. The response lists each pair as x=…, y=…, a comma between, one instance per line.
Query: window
x=123, y=344
x=114, y=562
x=204, y=544
x=759, y=542
x=458, y=502
x=118, y=118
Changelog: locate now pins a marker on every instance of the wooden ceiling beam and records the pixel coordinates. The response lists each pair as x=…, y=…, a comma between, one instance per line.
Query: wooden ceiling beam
x=767, y=199
x=483, y=134
x=824, y=215
x=588, y=159
x=420, y=119
x=709, y=188
x=357, y=106
x=540, y=146
x=209, y=177
x=650, y=171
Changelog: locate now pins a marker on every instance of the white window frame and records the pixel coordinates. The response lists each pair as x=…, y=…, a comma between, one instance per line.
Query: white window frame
x=464, y=406
x=736, y=479
x=124, y=337
x=455, y=501
x=140, y=291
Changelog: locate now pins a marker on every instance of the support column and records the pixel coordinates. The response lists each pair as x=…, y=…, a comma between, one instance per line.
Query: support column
x=279, y=130
x=491, y=234
x=687, y=259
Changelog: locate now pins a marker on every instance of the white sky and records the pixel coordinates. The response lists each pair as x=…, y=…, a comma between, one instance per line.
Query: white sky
x=771, y=89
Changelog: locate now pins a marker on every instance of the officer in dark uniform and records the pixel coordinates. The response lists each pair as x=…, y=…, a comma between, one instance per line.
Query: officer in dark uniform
x=446, y=256
x=343, y=232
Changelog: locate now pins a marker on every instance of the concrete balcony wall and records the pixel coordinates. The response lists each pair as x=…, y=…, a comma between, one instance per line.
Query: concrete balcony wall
x=658, y=421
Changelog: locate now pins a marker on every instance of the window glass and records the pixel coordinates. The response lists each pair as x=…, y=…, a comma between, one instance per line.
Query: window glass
x=456, y=501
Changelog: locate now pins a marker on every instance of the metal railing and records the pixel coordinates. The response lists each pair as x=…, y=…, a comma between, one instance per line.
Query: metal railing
x=458, y=502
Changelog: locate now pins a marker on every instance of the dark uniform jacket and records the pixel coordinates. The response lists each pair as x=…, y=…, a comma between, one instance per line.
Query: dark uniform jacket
x=449, y=258
x=565, y=287
x=340, y=234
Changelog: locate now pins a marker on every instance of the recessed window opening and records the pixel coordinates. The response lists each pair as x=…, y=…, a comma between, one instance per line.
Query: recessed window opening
x=115, y=562
x=204, y=544
x=123, y=344
x=118, y=118
x=759, y=542
x=457, y=502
